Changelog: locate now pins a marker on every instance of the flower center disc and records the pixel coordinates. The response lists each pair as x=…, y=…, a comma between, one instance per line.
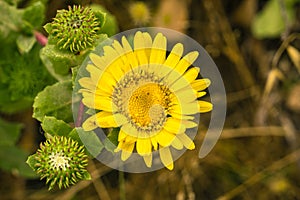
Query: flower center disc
x=59, y=161
x=147, y=105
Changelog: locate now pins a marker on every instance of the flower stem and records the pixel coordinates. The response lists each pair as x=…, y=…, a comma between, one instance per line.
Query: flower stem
x=79, y=115
x=122, y=185
x=41, y=38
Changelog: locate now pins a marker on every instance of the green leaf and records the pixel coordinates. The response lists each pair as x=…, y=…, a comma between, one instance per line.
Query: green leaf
x=101, y=16
x=58, y=62
x=54, y=126
x=91, y=141
x=74, y=136
x=9, y=132
x=10, y=19
x=33, y=17
x=111, y=141
x=13, y=160
x=54, y=100
x=25, y=43
x=31, y=161
x=269, y=23
x=110, y=27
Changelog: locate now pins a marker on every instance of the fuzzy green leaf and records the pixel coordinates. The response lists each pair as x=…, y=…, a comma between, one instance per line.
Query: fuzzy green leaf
x=25, y=43
x=91, y=141
x=54, y=100
x=58, y=62
x=9, y=132
x=54, y=126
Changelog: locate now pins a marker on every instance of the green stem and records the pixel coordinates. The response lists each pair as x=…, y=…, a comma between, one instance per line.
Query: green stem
x=122, y=185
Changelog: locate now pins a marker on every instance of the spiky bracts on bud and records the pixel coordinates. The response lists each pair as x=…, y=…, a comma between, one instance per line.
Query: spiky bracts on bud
x=74, y=29
x=62, y=161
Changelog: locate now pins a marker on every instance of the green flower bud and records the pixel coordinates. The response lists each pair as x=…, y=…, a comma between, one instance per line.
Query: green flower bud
x=74, y=29
x=62, y=161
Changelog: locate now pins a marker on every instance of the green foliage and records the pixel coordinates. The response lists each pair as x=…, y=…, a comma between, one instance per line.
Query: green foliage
x=54, y=100
x=111, y=141
x=29, y=75
x=58, y=62
x=14, y=158
x=53, y=126
x=22, y=74
x=111, y=26
x=91, y=141
x=9, y=132
x=20, y=20
x=270, y=22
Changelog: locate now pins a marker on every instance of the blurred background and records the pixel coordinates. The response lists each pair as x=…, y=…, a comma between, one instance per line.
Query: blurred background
x=256, y=46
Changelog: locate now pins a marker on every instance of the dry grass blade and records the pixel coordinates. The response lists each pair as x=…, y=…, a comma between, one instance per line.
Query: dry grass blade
x=294, y=54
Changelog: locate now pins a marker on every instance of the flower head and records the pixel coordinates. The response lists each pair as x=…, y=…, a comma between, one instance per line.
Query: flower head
x=152, y=97
x=74, y=29
x=139, y=13
x=61, y=161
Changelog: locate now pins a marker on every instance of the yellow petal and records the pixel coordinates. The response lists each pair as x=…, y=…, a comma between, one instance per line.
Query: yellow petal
x=191, y=74
x=95, y=72
x=189, y=124
x=98, y=102
x=164, y=138
x=185, y=109
x=90, y=123
x=129, y=53
x=174, y=125
x=158, y=51
x=186, y=141
x=154, y=142
x=180, y=116
x=87, y=83
x=186, y=61
x=88, y=102
x=174, y=56
x=148, y=43
x=129, y=130
x=104, y=103
x=204, y=106
x=200, y=84
x=143, y=146
x=148, y=160
x=139, y=48
x=126, y=65
x=113, y=62
x=177, y=144
x=179, y=84
x=98, y=61
x=122, y=135
x=185, y=95
x=130, y=139
x=108, y=119
x=107, y=82
x=166, y=157
x=200, y=94
x=126, y=150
